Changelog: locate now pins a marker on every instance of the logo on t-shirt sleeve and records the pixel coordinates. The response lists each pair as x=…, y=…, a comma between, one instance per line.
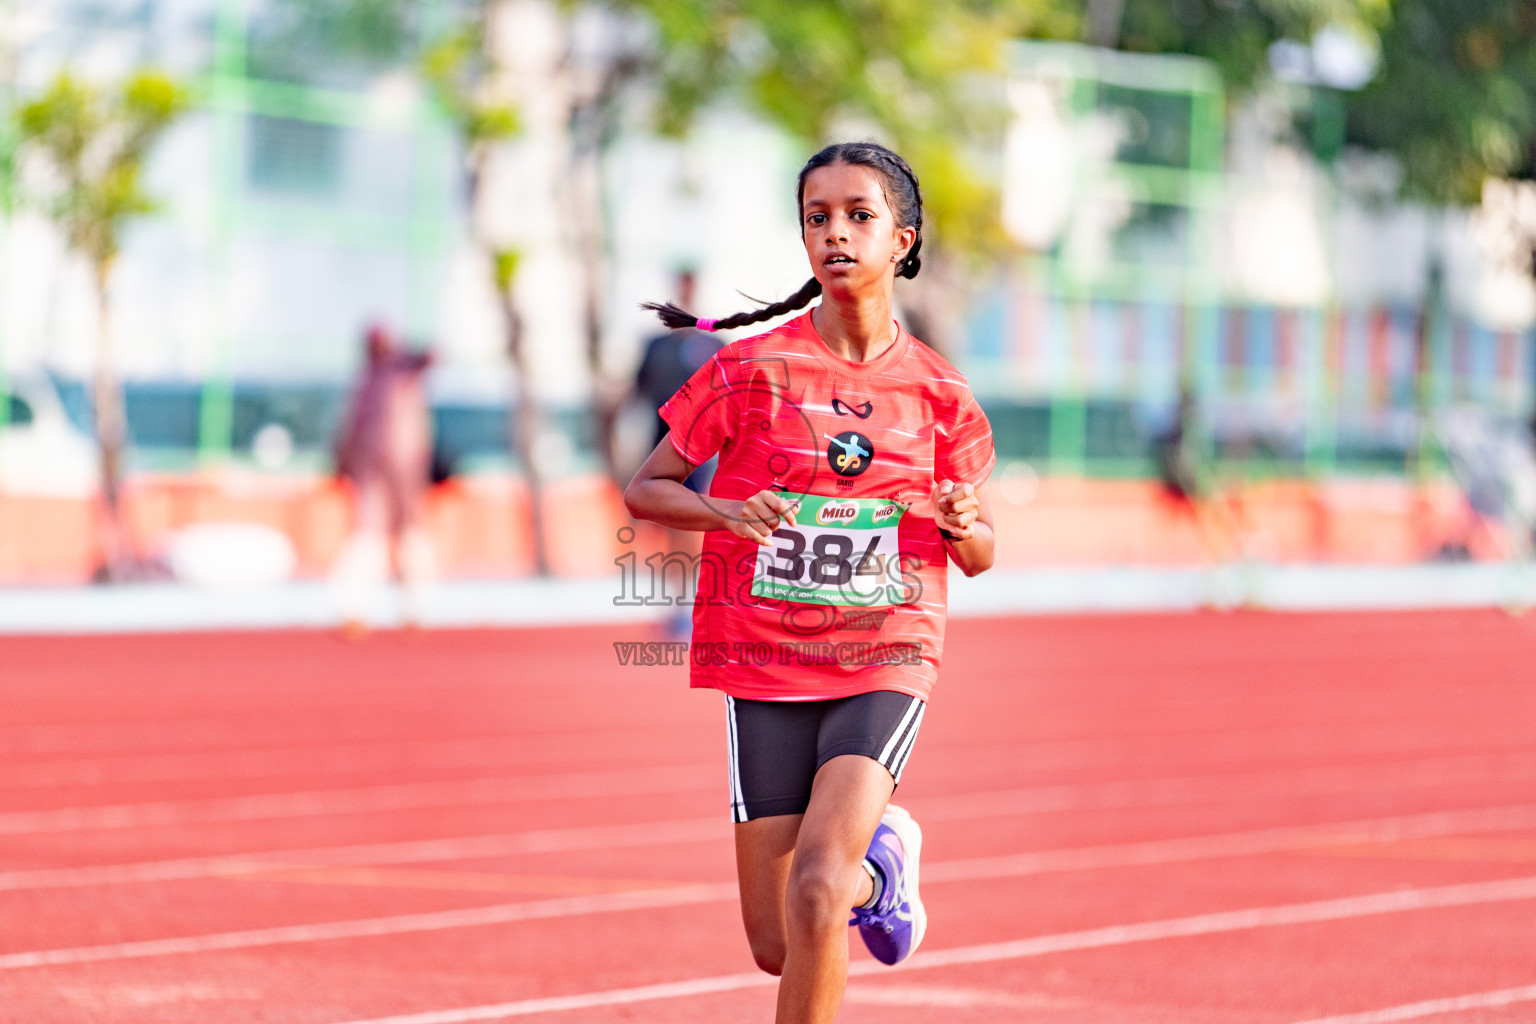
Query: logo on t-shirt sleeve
x=849, y=453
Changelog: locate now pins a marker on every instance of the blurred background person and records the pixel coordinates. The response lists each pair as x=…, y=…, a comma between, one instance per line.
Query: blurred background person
x=1188, y=482
x=384, y=451
x=670, y=358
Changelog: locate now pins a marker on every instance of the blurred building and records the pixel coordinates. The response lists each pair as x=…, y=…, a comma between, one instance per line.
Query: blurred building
x=1178, y=233
x=300, y=207
x=1172, y=236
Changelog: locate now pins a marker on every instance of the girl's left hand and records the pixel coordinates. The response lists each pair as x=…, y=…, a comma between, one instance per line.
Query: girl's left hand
x=957, y=509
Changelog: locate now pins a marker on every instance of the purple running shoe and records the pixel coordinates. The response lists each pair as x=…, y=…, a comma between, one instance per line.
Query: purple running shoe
x=894, y=926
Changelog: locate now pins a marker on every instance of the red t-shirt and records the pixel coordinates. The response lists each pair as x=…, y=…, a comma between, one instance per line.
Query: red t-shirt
x=779, y=409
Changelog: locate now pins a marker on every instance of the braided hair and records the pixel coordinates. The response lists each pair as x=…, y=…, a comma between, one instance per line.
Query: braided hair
x=902, y=194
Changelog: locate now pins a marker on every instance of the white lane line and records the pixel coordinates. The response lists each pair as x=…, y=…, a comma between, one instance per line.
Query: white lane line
x=886, y=994
x=506, y=752
x=586, y=1001
x=1235, y=844
x=1083, y=858
x=661, y=833
x=1399, y=901
x=424, y=851
x=501, y=913
x=361, y=800
x=1238, y=787
x=1246, y=786
x=1431, y=1007
x=1043, y=945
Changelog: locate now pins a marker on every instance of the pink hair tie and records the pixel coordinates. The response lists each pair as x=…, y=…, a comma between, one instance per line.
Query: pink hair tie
x=705, y=325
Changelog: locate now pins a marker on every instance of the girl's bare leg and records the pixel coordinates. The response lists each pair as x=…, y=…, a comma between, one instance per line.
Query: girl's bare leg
x=825, y=880
x=764, y=847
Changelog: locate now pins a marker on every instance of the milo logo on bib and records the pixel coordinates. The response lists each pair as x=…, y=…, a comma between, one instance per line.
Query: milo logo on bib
x=837, y=512
x=843, y=551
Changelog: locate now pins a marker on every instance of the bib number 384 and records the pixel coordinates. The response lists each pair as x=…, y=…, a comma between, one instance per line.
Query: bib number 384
x=841, y=551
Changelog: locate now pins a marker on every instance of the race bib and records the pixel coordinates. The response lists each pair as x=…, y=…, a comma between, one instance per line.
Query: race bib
x=841, y=551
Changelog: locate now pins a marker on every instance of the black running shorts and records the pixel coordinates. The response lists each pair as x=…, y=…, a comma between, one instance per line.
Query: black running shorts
x=778, y=746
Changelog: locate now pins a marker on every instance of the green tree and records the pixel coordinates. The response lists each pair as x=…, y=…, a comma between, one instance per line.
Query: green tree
x=915, y=73
x=1454, y=101
x=1455, y=97
x=87, y=148
x=347, y=41
x=464, y=76
x=1235, y=35
x=309, y=42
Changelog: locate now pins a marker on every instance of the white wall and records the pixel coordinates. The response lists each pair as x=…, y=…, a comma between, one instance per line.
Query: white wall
x=280, y=297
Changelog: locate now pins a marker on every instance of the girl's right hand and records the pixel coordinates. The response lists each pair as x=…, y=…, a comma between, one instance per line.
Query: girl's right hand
x=757, y=517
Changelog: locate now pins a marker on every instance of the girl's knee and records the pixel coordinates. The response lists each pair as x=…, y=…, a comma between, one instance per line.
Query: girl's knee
x=819, y=895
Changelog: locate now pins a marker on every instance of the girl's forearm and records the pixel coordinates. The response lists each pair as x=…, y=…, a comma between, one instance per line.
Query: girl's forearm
x=974, y=554
x=668, y=503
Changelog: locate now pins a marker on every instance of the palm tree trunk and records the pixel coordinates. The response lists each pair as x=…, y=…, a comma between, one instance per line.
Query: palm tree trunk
x=524, y=428
x=111, y=437
x=592, y=125
x=581, y=193
x=585, y=203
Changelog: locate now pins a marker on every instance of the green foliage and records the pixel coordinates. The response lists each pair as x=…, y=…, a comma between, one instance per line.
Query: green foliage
x=344, y=41
x=7, y=169
x=456, y=69
x=1455, y=99
x=1236, y=34
x=910, y=70
x=507, y=262
x=315, y=40
x=93, y=145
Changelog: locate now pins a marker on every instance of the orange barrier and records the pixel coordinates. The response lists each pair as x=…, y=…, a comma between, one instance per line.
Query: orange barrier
x=1136, y=522
x=481, y=524
x=46, y=540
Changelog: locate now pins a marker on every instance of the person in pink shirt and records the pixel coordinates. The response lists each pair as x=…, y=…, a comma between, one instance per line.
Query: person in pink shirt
x=851, y=465
x=384, y=451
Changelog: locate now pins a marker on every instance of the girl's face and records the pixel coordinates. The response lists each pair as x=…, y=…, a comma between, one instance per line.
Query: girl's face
x=849, y=231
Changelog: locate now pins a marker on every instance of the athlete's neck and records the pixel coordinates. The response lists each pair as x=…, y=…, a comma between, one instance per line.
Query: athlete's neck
x=857, y=329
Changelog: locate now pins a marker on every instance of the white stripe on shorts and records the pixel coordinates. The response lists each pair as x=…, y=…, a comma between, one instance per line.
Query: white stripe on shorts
x=906, y=747
x=738, y=801
x=885, y=755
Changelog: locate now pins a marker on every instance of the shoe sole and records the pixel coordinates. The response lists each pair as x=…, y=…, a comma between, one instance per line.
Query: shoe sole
x=899, y=821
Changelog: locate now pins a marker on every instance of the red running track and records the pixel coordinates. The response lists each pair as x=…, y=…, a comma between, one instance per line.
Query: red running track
x=1209, y=819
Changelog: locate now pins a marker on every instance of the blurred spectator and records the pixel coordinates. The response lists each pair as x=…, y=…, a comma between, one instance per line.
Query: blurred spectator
x=1187, y=482
x=670, y=359
x=1495, y=469
x=384, y=450
x=1175, y=465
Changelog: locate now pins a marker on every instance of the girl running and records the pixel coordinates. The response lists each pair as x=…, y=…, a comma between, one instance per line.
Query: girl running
x=851, y=463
